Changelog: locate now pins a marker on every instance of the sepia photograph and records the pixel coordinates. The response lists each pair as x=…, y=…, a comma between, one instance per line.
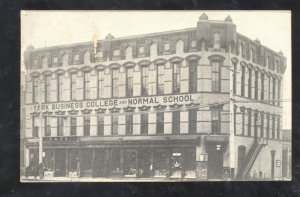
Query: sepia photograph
x=155, y=96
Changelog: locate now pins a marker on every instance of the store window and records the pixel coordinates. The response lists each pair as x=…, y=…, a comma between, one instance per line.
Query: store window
x=35, y=89
x=114, y=123
x=192, y=120
x=144, y=123
x=100, y=83
x=86, y=85
x=160, y=163
x=73, y=85
x=193, y=76
x=86, y=125
x=160, y=122
x=115, y=77
x=176, y=122
x=73, y=126
x=216, y=116
x=47, y=88
x=160, y=79
x=60, y=126
x=144, y=73
x=176, y=78
x=130, y=164
x=216, y=76
x=100, y=124
x=60, y=87
x=129, y=82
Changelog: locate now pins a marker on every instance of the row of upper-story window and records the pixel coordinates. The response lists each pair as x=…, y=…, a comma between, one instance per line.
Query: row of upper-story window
x=129, y=123
x=89, y=55
x=193, y=66
x=254, y=123
x=256, y=84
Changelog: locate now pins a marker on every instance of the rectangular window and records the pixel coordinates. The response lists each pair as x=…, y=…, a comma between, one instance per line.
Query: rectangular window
x=114, y=123
x=73, y=85
x=144, y=124
x=129, y=124
x=243, y=81
x=273, y=127
x=60, y=126
x=215, y=120
x=86, y=85
x=193, y=76
x=100, y=83
x=262, y=86
x=256, y=85
x=73, y=126
x=144, y=73
x=100, y=124
x=192, y=120
x=115, y=76
x=160, y=122
x=268, y=126
x=35, y=128
x=59, y=87
x=274, y=91
x=47, y=88
x=243, y=121
x=47, y=126
x=86, y=125
x=250, y=83
x=176, y=78
x=262, y=124
x=215, y=76
x=176, y=122
x=278, y=93
x=278, y=127
x=160, y=79
x=129, y=82
x=35, y=89
x=249, y=121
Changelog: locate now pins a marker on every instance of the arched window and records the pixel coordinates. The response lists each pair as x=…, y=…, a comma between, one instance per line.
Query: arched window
x=179, y=47
x=44, y=62
x=128, y=53
x=65, y=60
x=217, y=41
x=153, y=50
x=86, y=59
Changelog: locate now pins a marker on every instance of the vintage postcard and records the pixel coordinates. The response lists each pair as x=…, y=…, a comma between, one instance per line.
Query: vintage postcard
x=155, y=96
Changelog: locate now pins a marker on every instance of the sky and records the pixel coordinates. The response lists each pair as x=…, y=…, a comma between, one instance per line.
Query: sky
x=50, y=28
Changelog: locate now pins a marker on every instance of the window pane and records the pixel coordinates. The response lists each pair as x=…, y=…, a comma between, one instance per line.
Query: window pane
x=144, y=80
x=73, y=126
x=160, y=123
x=115, y=73
x=176, y=78
x=86, y=85
x=100, y=129
x=160, y=79
x=129, y=82
x=176, y=122
x=144, y=123
x=86, y=125
x=114, y=124
x=129, y=124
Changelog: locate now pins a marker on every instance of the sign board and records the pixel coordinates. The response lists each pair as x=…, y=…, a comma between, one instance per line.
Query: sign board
x=278, y=163
x=119, y=103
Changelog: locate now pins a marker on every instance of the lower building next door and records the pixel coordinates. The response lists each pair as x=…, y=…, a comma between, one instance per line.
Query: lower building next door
x=215, y=163
x=60, y=163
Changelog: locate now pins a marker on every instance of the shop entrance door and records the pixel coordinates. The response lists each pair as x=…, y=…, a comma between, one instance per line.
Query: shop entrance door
x=144, y=163
x=60, y=162
x=215, y=163
x=101, y=165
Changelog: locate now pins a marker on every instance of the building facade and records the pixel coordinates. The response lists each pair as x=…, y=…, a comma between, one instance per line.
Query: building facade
x=192, y=104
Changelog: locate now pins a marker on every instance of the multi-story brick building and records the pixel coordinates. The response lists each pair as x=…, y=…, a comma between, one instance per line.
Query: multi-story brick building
x=198, y=103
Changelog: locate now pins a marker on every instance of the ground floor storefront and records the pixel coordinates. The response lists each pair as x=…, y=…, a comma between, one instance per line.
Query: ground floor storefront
x=159, y=159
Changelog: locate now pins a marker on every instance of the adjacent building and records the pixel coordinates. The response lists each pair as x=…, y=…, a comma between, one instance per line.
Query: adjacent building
x=201, y=103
